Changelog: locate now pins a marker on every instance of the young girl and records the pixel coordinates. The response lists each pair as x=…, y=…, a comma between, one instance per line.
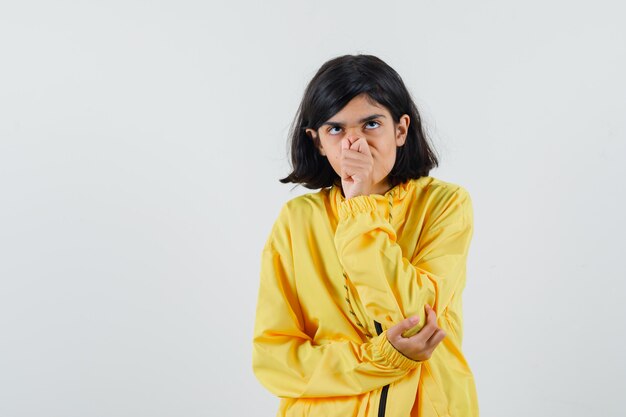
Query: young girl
x=344, y=323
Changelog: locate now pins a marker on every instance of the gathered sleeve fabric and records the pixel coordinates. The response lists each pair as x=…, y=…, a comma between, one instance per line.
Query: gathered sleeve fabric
x=288, y=362
x=390, y=285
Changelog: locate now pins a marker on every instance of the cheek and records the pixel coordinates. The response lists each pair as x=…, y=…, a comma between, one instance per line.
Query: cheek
x=388, y=156
x=383, y=152
x=334, y=153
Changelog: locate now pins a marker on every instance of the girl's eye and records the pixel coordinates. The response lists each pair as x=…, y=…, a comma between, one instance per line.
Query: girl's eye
x=330, y=130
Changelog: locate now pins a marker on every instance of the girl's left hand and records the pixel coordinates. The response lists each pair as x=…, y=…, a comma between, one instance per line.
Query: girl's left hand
x=357, y=168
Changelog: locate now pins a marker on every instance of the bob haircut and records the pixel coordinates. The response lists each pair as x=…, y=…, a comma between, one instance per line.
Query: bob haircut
x=337, y=82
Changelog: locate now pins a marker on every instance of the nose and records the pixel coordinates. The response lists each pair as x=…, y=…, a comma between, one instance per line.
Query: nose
x=352, y=134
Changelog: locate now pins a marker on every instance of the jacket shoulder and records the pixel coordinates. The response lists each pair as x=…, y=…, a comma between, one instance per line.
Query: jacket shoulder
x=307, y=202
x=293, y=213
x=305, y=209
x=445, y=197
x=444, y=189
x=442, y=192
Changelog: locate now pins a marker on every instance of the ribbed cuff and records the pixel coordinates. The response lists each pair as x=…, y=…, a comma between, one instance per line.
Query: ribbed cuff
x=393, y=356
x=358, y=204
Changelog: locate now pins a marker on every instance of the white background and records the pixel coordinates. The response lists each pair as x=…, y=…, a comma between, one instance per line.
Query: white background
x=141, y=144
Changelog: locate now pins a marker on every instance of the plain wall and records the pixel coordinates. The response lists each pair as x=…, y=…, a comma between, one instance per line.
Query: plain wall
x=141, y=144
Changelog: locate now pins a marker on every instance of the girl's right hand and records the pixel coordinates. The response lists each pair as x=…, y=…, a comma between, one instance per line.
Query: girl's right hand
x=420, y=346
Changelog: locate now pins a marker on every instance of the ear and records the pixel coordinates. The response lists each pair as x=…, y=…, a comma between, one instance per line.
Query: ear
x=402, y=129
x=311, y=133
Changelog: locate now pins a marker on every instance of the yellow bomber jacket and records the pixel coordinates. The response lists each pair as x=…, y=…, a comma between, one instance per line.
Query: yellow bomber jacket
x=336, y=274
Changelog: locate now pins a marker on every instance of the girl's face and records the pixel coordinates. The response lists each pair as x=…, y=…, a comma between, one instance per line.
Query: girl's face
x=361, y=118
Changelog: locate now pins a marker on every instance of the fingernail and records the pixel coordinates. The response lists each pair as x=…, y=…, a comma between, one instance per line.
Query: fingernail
x=414, y=319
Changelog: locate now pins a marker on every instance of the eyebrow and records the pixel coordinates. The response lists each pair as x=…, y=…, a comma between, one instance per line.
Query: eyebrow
x=363, y=120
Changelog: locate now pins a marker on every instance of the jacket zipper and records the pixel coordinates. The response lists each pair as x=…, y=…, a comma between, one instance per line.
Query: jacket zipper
x=382, y=405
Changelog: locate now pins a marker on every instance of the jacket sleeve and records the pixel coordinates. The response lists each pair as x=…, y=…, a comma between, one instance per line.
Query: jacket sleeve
x=289, y=363
x=391, y=286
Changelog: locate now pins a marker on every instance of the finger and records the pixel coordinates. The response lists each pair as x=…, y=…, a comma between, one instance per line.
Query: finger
x=361, y=146
x=362, y=160
x=432, y=317
x=346, y=171
x=430, y=327
x=363, y=166
x=354, y=167
x=345, y=144
x=436, y=338
x=396, y=331
x=354, y=155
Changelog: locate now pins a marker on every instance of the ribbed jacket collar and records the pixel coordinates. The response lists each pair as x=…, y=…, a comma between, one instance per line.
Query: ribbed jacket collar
x=386, y=203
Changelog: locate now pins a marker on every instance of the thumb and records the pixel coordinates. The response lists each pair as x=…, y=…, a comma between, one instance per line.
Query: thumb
x=404, y=325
